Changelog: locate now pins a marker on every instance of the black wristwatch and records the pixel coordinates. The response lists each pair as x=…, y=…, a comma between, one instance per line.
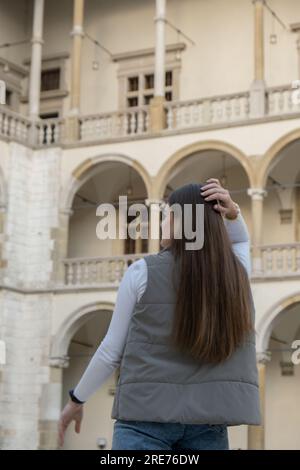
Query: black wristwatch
x=74, y=399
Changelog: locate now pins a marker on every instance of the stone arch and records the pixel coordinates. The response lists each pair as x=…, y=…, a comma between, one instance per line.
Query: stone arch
x=272, y=153
x=184, y=153
x=61, y=340
x=265, y=326
x=88, y=167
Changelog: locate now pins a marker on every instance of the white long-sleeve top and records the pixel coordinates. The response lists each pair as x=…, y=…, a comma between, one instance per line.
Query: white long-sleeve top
x=133, y=284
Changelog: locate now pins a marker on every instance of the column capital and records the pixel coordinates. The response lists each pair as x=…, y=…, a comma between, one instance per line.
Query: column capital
x=160, y=17
x=257, y=193
x=77, y=30
x=150, y=202
x=157, y=114
x=263, y=357
x=37, y=40
x=67, y=212
x=60, y=362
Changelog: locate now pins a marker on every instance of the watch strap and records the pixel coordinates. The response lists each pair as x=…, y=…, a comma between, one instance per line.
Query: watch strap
x=75, y=399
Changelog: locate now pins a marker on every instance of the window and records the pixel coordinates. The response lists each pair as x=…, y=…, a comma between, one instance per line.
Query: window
x=50, y=80
x=140, y=88
x=131, y=102
x=149, y=81
x=169, y=78
x=133, y=83
x=132, y=91
x=147, y=99
x=136, y=75
x=8, y=97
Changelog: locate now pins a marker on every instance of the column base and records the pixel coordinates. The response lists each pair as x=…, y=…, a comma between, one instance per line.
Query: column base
x=255, y=438
x=258, y=103
x=157, y=113
x=72, y=129
x=153, y=245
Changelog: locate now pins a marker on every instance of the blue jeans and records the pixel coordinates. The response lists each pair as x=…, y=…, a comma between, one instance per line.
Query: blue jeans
x=150, y=435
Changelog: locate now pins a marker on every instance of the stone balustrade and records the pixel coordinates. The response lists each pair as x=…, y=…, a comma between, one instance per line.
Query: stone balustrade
x=221, y=110
x=281, y=260
x=97, y=271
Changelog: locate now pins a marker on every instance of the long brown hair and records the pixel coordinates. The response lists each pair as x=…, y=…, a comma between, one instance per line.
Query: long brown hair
x=213, y=301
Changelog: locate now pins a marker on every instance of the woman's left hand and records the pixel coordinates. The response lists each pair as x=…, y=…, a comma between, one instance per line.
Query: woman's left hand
x=213, y=189
x=72, y=411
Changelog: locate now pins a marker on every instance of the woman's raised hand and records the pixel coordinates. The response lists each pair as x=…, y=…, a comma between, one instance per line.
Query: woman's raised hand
x=213, y=189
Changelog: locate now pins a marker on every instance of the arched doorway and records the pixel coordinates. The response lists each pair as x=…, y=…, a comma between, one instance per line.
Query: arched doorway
x=281, y=204
x=197, y=163
x=106, y=183
x=202, y=149
x=277, y=333
x=90, y=259
x=84, y=336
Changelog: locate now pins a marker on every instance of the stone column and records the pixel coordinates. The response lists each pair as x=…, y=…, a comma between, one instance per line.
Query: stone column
x=259, y=39
x=258, y=87
x=257, y=195
x=298, y=53
x=295, y=28
x=51, y=404
x=36, y=60
x=60, y=235
x=2, y=223
x=297, y=212
x=154, y=225
x=138, y=242
x=72, y=126
x=256, y=434
x=157, y=111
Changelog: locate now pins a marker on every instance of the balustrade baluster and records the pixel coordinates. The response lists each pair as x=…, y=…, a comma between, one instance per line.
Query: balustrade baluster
x=269, y=260
x=6, y=125
x=70, y=273
x=297, y=259
x=280, y=260
x=170, y=118
x=140, y=122
x=289, y=259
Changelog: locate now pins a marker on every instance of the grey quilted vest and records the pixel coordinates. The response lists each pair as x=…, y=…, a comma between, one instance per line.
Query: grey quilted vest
x=156, y=383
